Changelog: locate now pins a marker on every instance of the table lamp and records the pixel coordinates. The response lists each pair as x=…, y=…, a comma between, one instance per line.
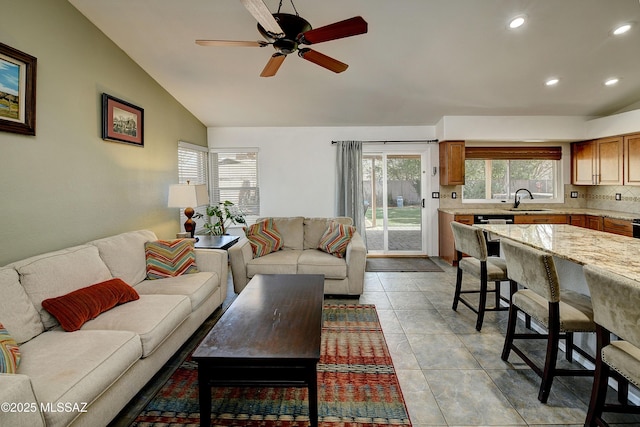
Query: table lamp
x=188, y=196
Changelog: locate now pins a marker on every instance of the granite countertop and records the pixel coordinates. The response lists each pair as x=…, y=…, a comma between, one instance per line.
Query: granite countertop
x=540, y=211
x=584, y=246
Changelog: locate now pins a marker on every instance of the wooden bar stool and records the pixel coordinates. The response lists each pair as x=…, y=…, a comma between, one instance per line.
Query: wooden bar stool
x=561, y=312
x=616, y=308
x=472, y=242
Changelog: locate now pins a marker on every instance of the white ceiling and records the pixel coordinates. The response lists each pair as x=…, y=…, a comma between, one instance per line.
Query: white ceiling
x=421, y=59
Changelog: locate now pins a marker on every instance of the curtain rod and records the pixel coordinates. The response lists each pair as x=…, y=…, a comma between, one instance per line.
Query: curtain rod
x=429, y=141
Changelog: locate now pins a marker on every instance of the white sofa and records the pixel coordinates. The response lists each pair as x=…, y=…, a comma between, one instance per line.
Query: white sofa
x=343, y=276
x=84, y=378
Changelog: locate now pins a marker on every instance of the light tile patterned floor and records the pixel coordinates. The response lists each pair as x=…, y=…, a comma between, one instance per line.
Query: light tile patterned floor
x=452, y=375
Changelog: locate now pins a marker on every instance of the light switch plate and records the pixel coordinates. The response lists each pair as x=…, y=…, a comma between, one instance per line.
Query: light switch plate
x=435, y=195
x=574, y=194
x=618, y=196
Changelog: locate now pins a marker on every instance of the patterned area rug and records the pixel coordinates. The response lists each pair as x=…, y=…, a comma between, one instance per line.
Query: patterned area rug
x=357, y=385
x=401, y=264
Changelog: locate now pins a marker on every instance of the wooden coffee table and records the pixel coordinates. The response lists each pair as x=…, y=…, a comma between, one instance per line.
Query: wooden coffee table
x=268, y=337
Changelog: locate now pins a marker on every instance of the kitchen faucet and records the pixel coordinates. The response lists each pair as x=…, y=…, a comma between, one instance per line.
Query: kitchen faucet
x=516, y=201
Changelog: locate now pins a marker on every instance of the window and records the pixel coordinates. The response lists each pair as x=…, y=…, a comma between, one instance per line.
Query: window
x=496, y=173
x=193, y=166
x=234, y=177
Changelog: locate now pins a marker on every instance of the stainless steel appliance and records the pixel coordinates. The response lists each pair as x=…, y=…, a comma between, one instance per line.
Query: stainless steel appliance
x=636, y=228
x=493, y=246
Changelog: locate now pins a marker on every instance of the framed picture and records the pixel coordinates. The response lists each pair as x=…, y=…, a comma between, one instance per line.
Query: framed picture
x=122, y=121
x=17, y=91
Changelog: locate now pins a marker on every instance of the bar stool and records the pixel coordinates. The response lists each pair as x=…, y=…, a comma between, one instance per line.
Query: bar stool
x=561, y=312
x=616, y=303
x=471, y=241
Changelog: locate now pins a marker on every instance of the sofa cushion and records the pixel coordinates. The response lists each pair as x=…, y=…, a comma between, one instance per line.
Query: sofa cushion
x=264, y=237
x=197, y=287
x=9, y=353
x=152, y=317
x=170, y=258
x=58, y=273
x=313, y=261
x=76, y=366
x=335, y=240
x=291, y=229
x=124, y=254
x=17, y=313
x=281, y=262
x=76, y=308
x=314, y=228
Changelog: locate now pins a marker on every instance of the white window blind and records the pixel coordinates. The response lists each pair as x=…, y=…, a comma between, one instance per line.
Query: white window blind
x=193, y=166
x=234, y=177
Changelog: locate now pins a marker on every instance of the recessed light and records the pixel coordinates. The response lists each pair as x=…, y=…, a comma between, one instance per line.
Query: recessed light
x=517, y=22
x=612, y=81
x=552, y=81
x=621, y=29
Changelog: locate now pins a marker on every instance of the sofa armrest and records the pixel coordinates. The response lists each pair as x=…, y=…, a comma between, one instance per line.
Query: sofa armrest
x=356, y=258
x=240, y=254
x=20, y=406
x=216, y=261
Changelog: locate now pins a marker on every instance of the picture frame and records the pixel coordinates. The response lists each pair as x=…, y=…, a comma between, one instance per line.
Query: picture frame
x=122, y=121
x=17, y=91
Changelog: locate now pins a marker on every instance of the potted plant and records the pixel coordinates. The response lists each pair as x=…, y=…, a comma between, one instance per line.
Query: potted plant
x=221, y=216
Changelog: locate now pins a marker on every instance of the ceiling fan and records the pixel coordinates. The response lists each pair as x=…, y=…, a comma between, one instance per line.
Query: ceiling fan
x=286, y=32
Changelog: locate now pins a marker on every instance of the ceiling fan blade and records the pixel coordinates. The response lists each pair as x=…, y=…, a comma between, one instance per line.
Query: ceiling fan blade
x=232, y=43
x=261, y=13
x=322, y=60
x=347, y=28
x=273, y=65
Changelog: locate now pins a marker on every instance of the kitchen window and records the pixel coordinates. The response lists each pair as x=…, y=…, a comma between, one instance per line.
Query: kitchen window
x=495, y=173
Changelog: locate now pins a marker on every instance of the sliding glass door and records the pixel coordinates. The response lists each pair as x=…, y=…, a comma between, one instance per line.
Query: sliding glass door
x=393, y=203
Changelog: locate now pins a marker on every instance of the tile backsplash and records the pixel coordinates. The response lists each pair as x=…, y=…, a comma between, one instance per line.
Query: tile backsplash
x=595, y=197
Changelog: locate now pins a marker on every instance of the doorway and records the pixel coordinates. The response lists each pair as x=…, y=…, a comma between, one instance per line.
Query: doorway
x=394, y=205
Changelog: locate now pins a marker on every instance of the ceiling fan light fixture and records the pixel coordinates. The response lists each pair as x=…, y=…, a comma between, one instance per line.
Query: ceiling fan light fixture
x=517, y=22
x=621, y=29
x=611, y=81
x=553, y=81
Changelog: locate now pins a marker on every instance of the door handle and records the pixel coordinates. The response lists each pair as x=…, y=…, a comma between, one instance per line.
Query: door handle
x=423, y=203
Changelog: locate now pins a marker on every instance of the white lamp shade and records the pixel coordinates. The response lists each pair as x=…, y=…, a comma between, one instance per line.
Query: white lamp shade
x=188, y=196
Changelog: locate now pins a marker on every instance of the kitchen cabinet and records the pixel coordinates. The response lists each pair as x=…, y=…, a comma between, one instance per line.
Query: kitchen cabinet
x=577, y=220
x=594, y=222
x=446, y=244
x=617, y=226
x=597, y=162
x=452, y=162
x=632, y=159
x=540, y=219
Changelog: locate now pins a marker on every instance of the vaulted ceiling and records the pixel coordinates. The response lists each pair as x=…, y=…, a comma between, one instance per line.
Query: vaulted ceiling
x=420, y=60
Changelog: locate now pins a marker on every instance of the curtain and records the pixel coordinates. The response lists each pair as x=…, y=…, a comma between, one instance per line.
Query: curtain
x=349, y=187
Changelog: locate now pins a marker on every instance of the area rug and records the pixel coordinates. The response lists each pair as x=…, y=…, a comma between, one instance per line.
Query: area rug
x=405, y=264
x=357, y=385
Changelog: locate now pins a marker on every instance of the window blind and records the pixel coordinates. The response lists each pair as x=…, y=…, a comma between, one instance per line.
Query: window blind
x=514, y=153
x=193, y=166
x=234, y=174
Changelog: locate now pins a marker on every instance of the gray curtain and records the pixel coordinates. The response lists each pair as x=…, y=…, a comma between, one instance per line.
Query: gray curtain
x=349, y=187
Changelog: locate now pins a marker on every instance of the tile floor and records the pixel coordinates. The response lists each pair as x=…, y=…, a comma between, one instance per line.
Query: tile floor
x=452, y=375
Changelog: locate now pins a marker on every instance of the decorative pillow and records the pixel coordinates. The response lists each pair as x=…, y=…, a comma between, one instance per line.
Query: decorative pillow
x=75, y=308
x=170, y=258
x=264, y=237
x=336, y=238
x=9, y=353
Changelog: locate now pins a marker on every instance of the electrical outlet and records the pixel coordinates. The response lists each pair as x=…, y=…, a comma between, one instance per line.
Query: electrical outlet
x=435, y=195
x=618, y=196
x=574, y=194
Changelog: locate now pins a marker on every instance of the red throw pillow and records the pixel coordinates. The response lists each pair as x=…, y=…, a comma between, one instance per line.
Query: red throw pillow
x=75, y=308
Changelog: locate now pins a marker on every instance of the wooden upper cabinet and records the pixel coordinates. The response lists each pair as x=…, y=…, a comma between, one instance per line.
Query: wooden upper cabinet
x=597, y=162
x=452, y=163
x=632, y=159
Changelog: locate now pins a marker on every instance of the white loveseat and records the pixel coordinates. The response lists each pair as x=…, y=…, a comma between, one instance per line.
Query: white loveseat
x=300, y=255
x=84, y=378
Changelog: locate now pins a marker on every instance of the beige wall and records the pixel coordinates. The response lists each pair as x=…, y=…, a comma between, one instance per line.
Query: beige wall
x=66, y=185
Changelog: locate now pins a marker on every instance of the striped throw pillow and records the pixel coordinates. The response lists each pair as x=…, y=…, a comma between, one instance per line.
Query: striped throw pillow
x=170, y=258
x=9, y=353
x=336, y=239
x=264, y=237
